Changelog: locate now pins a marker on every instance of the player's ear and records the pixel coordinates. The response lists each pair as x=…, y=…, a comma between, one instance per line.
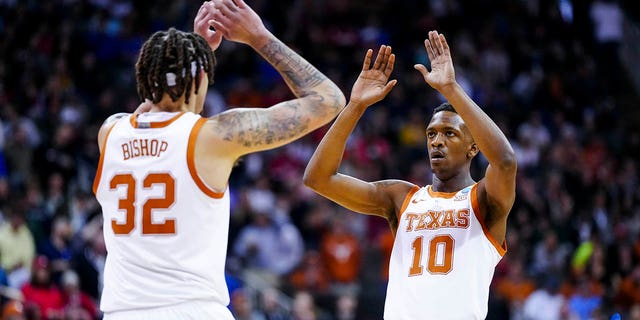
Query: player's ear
x=473, y=150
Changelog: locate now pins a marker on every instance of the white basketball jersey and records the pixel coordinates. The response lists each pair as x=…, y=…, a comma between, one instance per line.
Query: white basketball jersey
x=164, y=229
x=443, y=258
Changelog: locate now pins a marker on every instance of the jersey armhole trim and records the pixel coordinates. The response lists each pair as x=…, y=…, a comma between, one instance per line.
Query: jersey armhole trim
x=191, y=162
x=405, y=203
x=502, y=249
x=96, y=180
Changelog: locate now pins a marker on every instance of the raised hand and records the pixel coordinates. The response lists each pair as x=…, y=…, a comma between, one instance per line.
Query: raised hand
x=237, y=21
x=442, y=74
x=373, y=82
x=201, y=25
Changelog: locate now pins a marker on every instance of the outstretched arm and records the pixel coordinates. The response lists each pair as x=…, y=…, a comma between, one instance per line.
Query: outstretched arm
x=377, y=198
x=318, y=101
x=497, y=189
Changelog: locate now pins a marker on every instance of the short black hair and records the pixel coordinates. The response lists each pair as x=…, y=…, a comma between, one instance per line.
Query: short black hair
x=444, y=107
x=169, y=62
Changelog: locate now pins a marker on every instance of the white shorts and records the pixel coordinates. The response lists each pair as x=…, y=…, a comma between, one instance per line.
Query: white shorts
x=192, y=310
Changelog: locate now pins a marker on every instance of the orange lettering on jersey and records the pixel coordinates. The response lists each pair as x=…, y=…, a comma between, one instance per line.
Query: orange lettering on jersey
x=422, y=224
x=143, y=148
x=163, y=147
x=154, y=147
x=410, y=217
x=447, y=221
x=435, y=220
x=462, y=218
x=126, y=154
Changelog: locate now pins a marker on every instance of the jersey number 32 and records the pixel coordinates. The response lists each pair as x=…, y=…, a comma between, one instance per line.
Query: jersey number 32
x=127, y=204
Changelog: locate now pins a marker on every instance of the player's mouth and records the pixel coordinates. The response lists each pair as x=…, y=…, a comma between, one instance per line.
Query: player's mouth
x=437, y=156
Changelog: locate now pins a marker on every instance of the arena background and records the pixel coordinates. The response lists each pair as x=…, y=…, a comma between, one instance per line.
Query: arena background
x=561, y=78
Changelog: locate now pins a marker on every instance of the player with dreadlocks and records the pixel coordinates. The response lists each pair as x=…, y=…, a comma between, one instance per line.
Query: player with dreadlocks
x=162, y=179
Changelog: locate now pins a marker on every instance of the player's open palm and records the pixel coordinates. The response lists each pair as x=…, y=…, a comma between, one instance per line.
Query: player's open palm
x=236, y=20
x=442, y=73
x=373, y=82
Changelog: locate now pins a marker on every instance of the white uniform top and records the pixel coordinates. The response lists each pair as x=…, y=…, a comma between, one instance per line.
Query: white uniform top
x=164, y=229
x=443, y=258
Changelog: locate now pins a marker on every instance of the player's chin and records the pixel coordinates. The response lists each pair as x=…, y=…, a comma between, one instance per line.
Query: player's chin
x=438, y=163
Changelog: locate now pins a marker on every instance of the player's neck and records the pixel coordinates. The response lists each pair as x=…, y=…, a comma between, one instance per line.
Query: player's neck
x=168, y=105
x=452, y=184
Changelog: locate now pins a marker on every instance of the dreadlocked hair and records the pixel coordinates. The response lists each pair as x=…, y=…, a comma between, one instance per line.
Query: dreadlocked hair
x=169, y=62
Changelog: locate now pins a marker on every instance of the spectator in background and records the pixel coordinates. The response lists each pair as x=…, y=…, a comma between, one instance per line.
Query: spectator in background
x=515, y=287
x=242, y=306
x=77, y=304
x=57, y=247
x=304, y=307
x=89, y=261
x=546, y=303
x=549, y=256
x=271, y=245
x=311, y=275
x=13, y=310
x=17, y=248
x=628, y=293
x=271, y=305
x=585, y=301
x=341, y=253
x=42, y=292
x=608, y=18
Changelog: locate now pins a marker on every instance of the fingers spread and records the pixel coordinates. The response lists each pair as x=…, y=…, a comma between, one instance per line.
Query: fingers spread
x=367, y=60
x=390, y=63
x=430, y=52
x=385, y=58
x=379, y=57
x=422, y=69
x=387, y=88
x=445, y=45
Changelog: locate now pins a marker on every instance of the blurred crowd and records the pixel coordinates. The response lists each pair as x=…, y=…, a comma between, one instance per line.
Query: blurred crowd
x=547, y=71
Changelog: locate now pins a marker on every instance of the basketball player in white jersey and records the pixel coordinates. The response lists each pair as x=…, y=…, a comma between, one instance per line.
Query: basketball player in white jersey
x=162, y=180
x=450, y=235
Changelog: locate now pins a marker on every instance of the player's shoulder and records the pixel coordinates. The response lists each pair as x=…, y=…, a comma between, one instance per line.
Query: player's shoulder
x=396, y=189
x=107, y=125
x=111, y=120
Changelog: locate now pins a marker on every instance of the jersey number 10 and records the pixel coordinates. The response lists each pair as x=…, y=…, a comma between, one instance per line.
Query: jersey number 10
x=442, y=244
x=127, y=204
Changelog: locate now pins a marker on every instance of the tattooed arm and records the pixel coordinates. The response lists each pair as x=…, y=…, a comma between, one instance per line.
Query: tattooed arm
x=318, y=101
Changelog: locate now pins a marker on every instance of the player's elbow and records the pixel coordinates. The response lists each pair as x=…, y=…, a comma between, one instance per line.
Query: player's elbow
x=312, y=180
x=309, y=179
x=507, y=161
x=333, y=98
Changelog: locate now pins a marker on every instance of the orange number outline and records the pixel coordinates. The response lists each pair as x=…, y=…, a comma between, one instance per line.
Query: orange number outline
x=433, y=268
x=127, y=204
x=169, y=225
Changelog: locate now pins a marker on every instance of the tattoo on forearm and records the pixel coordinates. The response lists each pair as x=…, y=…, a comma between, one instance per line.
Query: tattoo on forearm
x=300, y=73
x=250, y=129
